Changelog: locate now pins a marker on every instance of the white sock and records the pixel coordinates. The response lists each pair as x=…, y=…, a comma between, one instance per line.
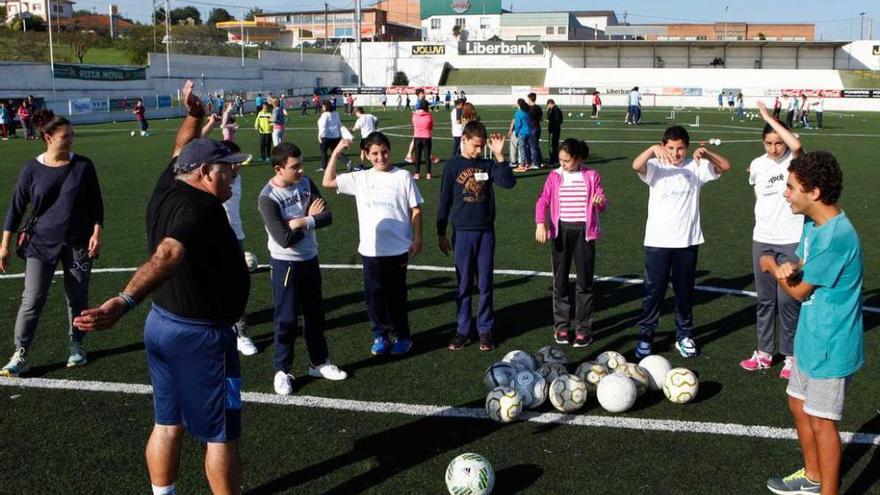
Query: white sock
x=164, y=490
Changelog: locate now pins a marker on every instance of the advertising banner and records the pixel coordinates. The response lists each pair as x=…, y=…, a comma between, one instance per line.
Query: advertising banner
x=99, y=73
x=500, y=48
x=429, y=49
x=812, y=93
x=861, y=93
x=163, y=102
x=572, y=91
x=117, y=104
x=363, y=90
x=101, y=106
x=692, y=91
x=80, y=106
x=409, y=90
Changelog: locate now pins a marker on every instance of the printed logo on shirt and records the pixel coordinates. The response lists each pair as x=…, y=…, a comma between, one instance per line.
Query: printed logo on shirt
x=472, y=188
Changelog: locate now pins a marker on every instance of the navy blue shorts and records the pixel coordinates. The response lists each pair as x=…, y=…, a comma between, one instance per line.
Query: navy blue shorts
x=195, y=375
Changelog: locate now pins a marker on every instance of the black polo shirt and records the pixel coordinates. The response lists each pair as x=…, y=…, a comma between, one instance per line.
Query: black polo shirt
x=212, y=282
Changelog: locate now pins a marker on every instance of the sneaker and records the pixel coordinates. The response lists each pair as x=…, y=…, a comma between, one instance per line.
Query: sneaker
x=283, y=383
x=583, y=340
x=785, y=373
x=77, y=356
x=686, y=347
x=458, y=341
x=244, y=343
x=758, y=361
x=796, y=483
x=643, y=350
x=319, y=169
x=380, y=346
x=562, y=337
x=327, y=370
x=428, y=176
x=487, y=342
x=401, y=346
x=409, y=159
x=17, y=364
x=534, y=167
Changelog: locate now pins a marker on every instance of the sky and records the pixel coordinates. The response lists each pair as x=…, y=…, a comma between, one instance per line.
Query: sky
x=834, y=20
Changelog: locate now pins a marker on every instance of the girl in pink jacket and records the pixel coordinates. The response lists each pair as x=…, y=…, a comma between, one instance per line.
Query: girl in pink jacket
x=567, y=213
x=423, y=129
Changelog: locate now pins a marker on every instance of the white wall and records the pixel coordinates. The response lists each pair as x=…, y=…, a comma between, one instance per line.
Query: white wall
x=472, y=26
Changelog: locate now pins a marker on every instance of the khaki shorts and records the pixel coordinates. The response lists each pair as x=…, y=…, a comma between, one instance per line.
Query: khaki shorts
x=823, y=397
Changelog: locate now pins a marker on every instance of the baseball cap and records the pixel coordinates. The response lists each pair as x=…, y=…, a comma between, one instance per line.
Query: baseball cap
x=203, y=150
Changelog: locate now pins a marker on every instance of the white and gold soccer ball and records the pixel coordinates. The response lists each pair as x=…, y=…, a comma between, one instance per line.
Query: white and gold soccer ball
x=503, y=404
x=470, y=474
x=550, y=354
x=520, y=359
x=591, y=373
x=611, y=360
x=499, y=374
x=251, y=260
x=616, y=393
x=637, y=374
x=680, y=385
x=657, y=366
x=568, y=393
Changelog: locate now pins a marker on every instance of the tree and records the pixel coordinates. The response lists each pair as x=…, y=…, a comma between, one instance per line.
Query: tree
x=251, y=13
x=400, y=79
x=219, y=15
x=3, y=13
x=32, y=23
x=186, y=15
x=80, y=43
x=160, y=15
x=82, y=12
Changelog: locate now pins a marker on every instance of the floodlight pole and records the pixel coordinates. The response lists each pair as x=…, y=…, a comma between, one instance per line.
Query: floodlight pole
x=51, y=49
x=861, y=25
x=357, y=14
x=241, y=34
x=168, y=39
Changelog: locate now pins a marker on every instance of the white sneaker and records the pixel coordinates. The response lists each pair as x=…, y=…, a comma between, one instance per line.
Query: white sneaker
x=246, y=346
x=283, y=383
x=17, y=364
x=327, y=370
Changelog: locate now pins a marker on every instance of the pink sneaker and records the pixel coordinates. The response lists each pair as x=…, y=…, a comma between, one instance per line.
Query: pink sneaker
x=758, y=361
x=785, y=373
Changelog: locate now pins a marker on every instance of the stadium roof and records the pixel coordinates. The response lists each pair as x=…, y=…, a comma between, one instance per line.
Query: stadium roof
x=702, y=43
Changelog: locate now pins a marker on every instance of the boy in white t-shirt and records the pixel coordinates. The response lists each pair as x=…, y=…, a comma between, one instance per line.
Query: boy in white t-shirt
x=672, y=232
x=777, y=233
x=390, y=227
x=457, y=126
x=367, y=124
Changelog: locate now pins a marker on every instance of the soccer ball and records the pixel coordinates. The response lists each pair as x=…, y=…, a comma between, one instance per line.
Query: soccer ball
x=657, y=366
x=531, y=388
x=551, y=371
x=133, y=133
x=503, y=404
x=568, y=393
x=611, y=360
x=498, y=374
x=581, y=114
x=251, y=260
x=550, y=354
x=591, y=373
x=521, y=359
x=616, y=393
x=637, y=374
x=470, y=474
x=569, y=114
x=680, y=385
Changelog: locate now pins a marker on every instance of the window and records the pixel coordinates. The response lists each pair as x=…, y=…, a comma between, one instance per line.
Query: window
x=484, y=23
x=37, y=7
x=702, y=38
x=561, y=30
x=459, y=21
x=435, y=23
x=549, y=29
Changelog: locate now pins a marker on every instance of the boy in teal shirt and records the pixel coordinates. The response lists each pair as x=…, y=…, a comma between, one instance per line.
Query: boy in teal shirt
x=828, y=343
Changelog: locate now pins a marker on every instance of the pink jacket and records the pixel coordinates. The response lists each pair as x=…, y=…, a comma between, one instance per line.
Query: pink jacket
x=423, y=124
x=550, y=198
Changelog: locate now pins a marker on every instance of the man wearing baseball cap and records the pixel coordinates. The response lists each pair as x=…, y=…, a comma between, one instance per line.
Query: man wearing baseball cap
x=200, y=286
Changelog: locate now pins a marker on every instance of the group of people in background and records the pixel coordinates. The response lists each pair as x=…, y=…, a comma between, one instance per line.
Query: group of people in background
x=13, y=116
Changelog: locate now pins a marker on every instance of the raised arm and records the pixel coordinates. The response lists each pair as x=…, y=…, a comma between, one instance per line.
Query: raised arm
x=329, y=180
x=720, y=163
x=190, y=128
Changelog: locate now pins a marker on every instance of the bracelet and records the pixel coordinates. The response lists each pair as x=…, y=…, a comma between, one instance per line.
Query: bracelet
x=130, y=303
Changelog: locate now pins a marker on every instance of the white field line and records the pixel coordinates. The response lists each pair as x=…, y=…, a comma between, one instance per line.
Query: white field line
x=419, y=410
x=450, y=269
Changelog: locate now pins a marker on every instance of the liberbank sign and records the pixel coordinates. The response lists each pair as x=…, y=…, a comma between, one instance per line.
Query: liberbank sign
x=500, y=48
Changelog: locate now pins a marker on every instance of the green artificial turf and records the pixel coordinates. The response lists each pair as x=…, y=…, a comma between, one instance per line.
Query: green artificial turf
x=82, y=442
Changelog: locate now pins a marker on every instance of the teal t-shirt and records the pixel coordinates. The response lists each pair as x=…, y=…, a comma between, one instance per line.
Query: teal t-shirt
x=829, y=338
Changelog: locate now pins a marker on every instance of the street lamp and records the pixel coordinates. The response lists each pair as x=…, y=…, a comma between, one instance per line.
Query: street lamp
x=861, y=25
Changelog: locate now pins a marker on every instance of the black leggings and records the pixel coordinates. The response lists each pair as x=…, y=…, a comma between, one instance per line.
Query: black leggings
x=265, y=146
x=327, y=147
x=423, y=144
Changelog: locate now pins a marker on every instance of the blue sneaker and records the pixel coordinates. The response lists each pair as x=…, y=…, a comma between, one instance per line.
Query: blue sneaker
x=77, y=356
x=401, y=346
x=380, y=346
x=643, y=350
x=686, y=347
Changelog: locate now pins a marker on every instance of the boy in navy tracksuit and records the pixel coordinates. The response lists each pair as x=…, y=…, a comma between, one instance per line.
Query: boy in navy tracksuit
x=292, y=208
x=468, y=199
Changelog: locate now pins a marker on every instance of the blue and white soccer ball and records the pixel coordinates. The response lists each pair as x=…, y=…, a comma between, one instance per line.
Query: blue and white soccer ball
x=550, y=354
x=520, y=359
x=499, y=374
x=470, y=474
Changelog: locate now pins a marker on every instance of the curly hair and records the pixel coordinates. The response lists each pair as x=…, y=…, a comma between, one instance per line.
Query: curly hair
x=819, y=169
x=46, y=122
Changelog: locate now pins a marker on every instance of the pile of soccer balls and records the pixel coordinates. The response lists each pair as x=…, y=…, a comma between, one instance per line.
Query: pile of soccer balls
x=525, y=381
